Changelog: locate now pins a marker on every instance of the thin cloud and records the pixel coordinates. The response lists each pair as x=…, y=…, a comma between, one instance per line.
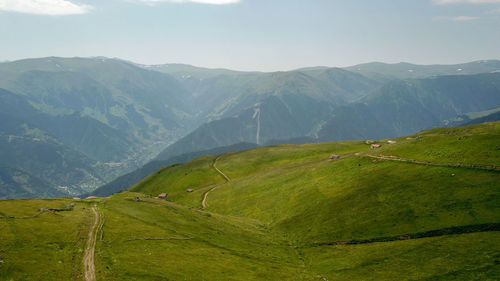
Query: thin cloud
x=44, y=7
x=443, y=2
x=211, y=2
x=463, y=18
x=459, y=18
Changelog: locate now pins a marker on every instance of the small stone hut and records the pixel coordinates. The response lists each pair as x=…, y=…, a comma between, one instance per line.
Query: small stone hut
x=162, y=195
x=334, y=156
x=375, y=145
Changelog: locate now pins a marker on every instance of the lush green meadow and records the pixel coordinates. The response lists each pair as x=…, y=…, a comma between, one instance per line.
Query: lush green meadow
x=282, y=216
x=46, y=247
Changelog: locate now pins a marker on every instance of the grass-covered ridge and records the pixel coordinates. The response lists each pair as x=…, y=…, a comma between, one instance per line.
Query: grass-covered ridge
x=287, y=212
x=298, y=190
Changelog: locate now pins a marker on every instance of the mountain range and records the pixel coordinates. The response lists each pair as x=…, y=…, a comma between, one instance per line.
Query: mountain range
x=333, y=104
x=70, y=125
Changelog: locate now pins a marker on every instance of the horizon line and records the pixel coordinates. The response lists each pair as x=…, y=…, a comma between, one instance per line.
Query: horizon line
x=239, y=70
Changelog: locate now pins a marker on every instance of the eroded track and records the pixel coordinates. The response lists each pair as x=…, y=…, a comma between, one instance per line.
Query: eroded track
x=88, y=257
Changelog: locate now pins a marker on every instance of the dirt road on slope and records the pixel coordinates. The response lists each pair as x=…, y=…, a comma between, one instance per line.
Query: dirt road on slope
x=204, y=203
x=88, y=257
x=220, y=172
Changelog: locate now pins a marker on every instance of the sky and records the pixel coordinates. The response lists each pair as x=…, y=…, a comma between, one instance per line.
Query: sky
x=263, y=35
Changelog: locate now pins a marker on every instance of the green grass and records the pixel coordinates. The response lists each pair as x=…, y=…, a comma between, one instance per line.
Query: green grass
x=281, y=201
x=455, y=257
x=330, y=201
x=243, y=163
x=220, y=247
x=176, y=179
x=48, y=247
x=476, y=144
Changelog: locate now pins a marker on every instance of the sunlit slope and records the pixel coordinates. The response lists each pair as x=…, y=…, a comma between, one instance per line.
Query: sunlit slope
x=456, y=257
x=198, y=175
x=477, y=144
x=285, y=212
x=151, y=239
x=299, y=191
x=148, y=239
x=216, y=247
x=42, y=246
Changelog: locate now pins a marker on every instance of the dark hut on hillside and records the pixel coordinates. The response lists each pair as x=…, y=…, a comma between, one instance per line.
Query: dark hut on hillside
x=375, y=145
x=189, y=190
x=162, y=195
x=334, y=156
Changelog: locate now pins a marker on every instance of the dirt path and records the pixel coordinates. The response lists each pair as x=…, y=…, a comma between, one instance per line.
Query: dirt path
x=204, y=203
x=420, y=162
x=88, y=257
x=220, y=172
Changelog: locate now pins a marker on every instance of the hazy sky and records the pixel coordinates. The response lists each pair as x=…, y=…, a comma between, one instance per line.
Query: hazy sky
x=253, y=34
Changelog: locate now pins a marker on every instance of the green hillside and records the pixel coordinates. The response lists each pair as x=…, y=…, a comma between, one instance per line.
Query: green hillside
x=434, y=180
x=272, y=185
x=123, y=182
x=424, y=208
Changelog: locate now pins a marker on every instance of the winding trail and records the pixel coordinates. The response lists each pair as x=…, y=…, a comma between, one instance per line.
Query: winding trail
x=420, y=162
x=204, y=203
x=88, y=257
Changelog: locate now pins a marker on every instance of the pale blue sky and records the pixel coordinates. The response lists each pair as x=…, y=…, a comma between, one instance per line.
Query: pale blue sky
x=253, y=34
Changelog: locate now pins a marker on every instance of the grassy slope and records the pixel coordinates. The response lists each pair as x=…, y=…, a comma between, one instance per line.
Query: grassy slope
x=456, y=257
x=299, y=191
x=476, y=144
x=221, y=247
x=280, y=201
x=48, y=247
x=176, y=179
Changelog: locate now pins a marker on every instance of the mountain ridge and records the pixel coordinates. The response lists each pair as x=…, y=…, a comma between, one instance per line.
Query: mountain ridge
x=121, y=115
